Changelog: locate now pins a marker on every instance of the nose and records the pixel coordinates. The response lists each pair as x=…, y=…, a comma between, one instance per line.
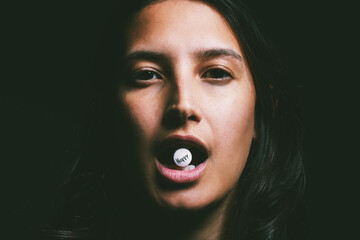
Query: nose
x=182, y=107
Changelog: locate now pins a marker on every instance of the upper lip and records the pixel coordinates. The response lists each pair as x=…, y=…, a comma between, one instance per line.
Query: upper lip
x=182, y=141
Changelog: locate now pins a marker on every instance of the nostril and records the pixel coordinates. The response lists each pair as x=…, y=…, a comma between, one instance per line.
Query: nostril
x=192, y=118
x=177, y=115
x=174, y=118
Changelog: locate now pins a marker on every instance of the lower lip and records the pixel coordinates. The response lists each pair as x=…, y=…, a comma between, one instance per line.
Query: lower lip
x=178, y=176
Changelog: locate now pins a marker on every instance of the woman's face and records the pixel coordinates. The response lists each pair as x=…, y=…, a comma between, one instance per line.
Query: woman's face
x=189, y=86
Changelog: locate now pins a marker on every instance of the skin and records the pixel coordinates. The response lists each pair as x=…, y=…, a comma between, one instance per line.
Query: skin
x=217, y=106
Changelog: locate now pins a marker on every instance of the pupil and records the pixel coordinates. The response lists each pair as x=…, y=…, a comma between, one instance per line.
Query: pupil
x=149, y=75
x=217, y=73
x=145, y=75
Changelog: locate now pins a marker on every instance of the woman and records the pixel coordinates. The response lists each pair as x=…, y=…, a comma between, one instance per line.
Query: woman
x=195, y=75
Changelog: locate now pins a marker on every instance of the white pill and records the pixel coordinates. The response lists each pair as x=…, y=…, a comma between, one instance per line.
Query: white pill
x=182, y=157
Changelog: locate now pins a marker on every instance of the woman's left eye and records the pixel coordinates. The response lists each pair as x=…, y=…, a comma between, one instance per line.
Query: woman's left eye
x=216, y=74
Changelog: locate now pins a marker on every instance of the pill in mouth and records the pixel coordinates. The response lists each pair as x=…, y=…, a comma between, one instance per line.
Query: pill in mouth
x=182, y=157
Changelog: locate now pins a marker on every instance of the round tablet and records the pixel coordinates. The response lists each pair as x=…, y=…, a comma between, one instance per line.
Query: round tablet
x=182, y=157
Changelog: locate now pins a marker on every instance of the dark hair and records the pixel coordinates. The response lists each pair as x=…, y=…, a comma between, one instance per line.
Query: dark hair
x=271, y=186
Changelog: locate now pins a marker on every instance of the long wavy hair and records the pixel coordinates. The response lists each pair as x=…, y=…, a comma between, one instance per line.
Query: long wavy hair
x=271, y=187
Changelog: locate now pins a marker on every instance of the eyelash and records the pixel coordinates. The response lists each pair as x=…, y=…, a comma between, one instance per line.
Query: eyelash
x=225, y=75
x=146, y=75
x=212, y=74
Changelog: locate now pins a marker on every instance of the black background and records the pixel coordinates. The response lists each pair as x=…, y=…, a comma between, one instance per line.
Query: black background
x=48, y=51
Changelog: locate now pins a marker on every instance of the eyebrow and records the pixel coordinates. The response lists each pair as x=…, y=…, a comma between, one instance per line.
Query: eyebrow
x=200, y=54
x=146, y=55
x=218, y=52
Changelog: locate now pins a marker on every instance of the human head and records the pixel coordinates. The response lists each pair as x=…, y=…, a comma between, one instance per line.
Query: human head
x=273, y=174
x=199, y=93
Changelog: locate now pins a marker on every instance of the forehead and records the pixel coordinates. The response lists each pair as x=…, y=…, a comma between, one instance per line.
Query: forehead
x=180, y=24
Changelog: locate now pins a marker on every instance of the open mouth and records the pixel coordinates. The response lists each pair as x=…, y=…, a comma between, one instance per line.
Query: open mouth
x=169, y=147
x=170, y=171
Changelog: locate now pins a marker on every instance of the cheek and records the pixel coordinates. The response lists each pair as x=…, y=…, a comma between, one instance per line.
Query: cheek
x=242, y=125
x=233, y=118
x=145, y=114
x=237, y=133
x=234, y=133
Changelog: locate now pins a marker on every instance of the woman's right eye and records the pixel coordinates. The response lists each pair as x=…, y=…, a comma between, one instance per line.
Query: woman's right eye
x=146, y=75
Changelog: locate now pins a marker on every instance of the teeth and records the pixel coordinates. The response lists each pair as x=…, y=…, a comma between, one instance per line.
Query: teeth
x=189, y=167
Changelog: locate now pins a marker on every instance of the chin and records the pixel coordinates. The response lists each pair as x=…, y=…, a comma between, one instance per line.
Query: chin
x=191, y=199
